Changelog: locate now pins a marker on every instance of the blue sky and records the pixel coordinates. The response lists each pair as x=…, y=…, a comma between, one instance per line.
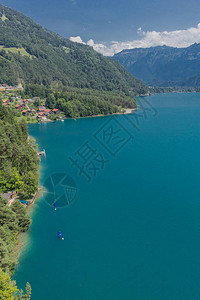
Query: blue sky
x=114, y=20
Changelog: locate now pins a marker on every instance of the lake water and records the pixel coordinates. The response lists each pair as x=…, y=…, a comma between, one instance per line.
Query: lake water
x=133, y=230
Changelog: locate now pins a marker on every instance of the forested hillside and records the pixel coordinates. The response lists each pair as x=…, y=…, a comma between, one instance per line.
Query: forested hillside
x=18, y=172
x=13, y=220
x=74, y=102
x=38, y=56
x=163, y=66
x=18, y=159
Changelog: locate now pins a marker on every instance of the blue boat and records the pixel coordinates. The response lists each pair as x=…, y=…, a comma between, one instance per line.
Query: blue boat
x=24, y=202
x=55, y=205
x=60, y=235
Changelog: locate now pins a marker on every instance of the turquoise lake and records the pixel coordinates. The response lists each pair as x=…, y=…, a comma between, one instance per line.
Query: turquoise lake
x=133, y=231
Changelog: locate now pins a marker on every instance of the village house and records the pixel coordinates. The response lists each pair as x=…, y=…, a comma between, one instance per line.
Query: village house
x=55, y=111
x=6, y=102
x=19, y=106
x=41, y=108
x=17, y=99
x=41, y=116
x=3, y=87
x=9, y=195
x=47, y=111
x=26, y=112
x=8, y=88
x=25, y=100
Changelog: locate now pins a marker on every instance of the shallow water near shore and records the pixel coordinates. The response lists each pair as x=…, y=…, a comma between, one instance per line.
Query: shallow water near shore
x=133, y=231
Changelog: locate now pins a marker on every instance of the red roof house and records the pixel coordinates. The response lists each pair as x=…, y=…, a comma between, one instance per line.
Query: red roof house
x=55, y=111
x=18, y=106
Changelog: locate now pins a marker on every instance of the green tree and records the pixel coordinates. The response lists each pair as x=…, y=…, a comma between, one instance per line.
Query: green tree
x=23, y=220
x=13, y=220
x=8, y=289
x=30, y=184
x=27, y=295
x=51, y=101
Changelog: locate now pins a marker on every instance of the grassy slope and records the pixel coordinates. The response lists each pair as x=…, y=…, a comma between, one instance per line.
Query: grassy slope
x=15, y=50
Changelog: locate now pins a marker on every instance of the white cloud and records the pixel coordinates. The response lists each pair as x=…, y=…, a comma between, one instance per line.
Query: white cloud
x=176, y=38
x=90, y=43
x=76, y=39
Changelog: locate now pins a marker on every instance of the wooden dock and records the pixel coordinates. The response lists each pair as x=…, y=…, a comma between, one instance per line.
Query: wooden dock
x=42, y=153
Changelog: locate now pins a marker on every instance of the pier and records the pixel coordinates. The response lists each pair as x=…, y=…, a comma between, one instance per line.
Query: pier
x=42, y=153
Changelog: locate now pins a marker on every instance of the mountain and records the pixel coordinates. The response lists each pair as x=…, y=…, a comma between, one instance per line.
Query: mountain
x=36, y=55
x=162, y=65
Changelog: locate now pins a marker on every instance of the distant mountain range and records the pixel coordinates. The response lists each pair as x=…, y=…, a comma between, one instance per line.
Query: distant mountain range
x=163, y=66
x=32, y=54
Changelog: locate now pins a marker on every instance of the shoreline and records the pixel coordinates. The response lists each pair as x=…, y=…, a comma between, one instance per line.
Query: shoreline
x=127, y=111
x=21, y=238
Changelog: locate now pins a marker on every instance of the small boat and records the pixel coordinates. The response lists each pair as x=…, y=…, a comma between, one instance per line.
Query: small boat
x=62, y=120
x=24, y=202
x=60, y=234
x=55, y=205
